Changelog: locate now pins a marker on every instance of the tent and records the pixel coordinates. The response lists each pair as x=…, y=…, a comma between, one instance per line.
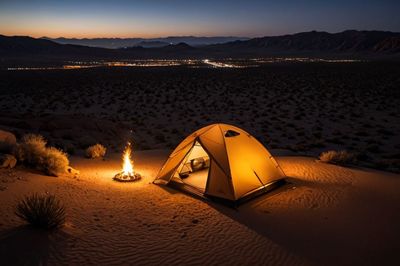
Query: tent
x=221, y=161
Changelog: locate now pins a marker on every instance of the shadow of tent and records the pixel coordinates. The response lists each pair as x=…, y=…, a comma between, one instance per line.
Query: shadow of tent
x=249, y=215
x=25, y=245
x=169, y=189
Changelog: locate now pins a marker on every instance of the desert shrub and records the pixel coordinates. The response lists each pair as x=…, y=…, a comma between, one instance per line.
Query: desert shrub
x=33, y=152
x=337, y=157
x=41, y=211
x=54, y=161
x=31, y=149
x=7, y=142
x=96, y=151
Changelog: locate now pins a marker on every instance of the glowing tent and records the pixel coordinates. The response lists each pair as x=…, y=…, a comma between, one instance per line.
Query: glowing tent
x=221, y=161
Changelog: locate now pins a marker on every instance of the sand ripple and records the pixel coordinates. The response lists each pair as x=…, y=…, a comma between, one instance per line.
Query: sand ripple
x=150, y=225
x=312, y=184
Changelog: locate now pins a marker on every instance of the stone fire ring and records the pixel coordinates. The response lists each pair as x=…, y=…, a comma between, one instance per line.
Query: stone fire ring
x=120, y=177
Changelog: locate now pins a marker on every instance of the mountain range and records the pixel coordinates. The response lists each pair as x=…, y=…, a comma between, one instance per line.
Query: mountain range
x=115, y=43
x=349, y=43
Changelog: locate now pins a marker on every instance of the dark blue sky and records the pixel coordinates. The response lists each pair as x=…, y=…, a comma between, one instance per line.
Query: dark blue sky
x=154, y=18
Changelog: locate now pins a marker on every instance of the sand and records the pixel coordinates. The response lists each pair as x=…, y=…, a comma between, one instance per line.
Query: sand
x=307, y=108
x=326, y=215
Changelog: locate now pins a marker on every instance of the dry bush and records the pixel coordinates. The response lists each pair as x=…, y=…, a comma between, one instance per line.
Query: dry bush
x=33, y=152
x=96, y=151
x=54, y=161
x=41, y=211
x=7, y=142
x=337, y=157
x=31, y=149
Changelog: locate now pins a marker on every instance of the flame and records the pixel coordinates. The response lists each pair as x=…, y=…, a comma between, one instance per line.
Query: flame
x=127, y=167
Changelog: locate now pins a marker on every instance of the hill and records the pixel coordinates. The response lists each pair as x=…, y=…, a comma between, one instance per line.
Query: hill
x=347, y=44
x=350, y=42
x=115, y=43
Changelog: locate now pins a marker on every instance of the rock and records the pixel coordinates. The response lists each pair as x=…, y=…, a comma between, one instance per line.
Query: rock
x=7, y=141
x=7, y=161
x=73, y=171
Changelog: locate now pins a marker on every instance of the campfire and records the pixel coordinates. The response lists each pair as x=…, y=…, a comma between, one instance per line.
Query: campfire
x=128, y=174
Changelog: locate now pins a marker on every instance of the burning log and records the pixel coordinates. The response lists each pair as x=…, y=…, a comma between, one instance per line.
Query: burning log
x=128, y=174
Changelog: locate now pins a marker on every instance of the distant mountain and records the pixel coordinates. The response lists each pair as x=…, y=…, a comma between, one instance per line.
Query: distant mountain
x=24, y=44
x=201, y=41
x=372, y=44
x=350, y=41
x=27, y=47
x=171, y=51
x=152, y=44
x=114, y=43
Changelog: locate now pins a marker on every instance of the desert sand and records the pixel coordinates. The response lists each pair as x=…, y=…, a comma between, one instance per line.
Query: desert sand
x=325, y=215
x=303, y=107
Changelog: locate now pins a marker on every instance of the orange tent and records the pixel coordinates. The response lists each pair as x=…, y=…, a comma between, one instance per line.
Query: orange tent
x=221, y=161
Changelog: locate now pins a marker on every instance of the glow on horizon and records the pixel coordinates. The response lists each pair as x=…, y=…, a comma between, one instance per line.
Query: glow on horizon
x=97, y=28
x=158, y=18
x=94, y=29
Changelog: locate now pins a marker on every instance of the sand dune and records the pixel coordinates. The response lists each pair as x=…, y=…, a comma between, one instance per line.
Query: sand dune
x=326, y=215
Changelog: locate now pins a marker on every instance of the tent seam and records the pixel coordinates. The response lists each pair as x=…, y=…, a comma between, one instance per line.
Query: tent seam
x=229, y=165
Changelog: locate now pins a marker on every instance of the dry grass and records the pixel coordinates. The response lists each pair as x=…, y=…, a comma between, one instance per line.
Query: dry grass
x=33, y=152
x=31, y=149
x=337, y=157
x=41, y=211
x=96, y=151
x=55, y=161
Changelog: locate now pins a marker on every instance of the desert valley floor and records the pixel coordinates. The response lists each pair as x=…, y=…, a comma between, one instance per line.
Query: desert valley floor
x=306, y=108
x=325, y=215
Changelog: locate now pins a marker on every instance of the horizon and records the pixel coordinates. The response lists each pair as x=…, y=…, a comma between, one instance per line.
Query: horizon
x=197, y=36
x=155, y=18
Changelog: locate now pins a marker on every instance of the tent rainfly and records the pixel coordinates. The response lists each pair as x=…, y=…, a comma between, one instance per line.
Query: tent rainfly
x=221, y=161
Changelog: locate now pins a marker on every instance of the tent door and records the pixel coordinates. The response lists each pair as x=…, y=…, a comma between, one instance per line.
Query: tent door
x=194, y=169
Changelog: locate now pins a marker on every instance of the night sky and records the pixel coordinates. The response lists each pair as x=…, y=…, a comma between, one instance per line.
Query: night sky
x=158, y=18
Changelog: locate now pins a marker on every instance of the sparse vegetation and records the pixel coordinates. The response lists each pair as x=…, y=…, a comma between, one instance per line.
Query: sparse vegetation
x=337, y=157
x=169, y=106
x=96, y=151
x=7, y=142
x=31, y=149
x=41, y=211
x=33, y=152
x=55, y=161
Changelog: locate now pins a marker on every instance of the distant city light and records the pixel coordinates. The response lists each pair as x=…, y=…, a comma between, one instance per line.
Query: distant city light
x=225, y=63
